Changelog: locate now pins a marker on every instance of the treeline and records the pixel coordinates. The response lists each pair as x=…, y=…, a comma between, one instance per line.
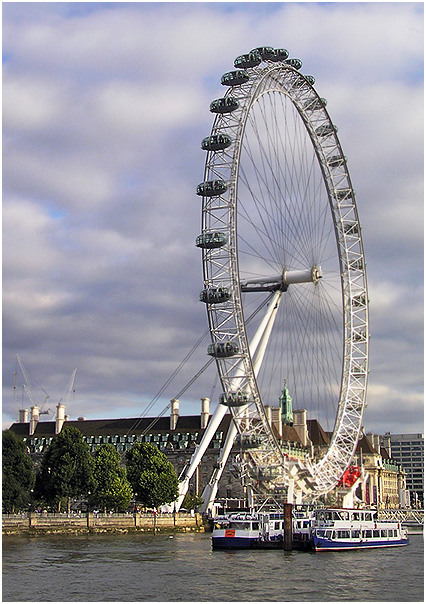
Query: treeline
x=69, y=472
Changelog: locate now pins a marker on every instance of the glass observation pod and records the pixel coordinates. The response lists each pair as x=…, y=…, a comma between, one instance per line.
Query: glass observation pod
x=359, y=336
x=222, y=349
x=215, y=295
x=344, y=194
x=266, y=52
x=210, y=188
x=248, y=441
x=216, y=142
x=280, y=54
x=315, y=104
x=296, y=63
x=234, y=78
x=303, y=79
x=359, y=300
x=211, y=240
x=265, y=473
x=326, y=129
x=336, y=161
x=234, y=399
x=351, y=228
x=356, y=265
x=252, y=59
x=224, y=105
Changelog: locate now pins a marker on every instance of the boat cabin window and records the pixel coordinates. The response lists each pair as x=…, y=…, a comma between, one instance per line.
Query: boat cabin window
x=277, y=526
x=384, y=533
x=329, y=534
x=367, y=534
x=376, y=533
x=343, y=534
x=355, y=534
x=255, y=526
x=240, y=525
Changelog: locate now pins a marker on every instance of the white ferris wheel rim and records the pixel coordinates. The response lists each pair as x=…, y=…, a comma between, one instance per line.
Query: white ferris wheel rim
x=221, y=265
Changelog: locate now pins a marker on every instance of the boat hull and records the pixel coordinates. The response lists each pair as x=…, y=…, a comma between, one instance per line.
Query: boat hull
x=232, y=542
x=326, y=545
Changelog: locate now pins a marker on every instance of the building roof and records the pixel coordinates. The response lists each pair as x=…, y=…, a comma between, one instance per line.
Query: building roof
x=317, y=434
x=365, y=446
x=122, y=426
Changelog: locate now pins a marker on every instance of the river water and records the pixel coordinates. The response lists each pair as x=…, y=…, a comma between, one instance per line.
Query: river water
x=183, y=568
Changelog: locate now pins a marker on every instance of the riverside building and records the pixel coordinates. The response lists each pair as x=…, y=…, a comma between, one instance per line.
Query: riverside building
x=178, y=436
x=408, y=450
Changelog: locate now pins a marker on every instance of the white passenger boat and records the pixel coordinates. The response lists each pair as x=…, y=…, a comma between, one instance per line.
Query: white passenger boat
x=343, y=529
x=244, y=530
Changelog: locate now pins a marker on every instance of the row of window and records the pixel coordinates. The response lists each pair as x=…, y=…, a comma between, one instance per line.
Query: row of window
x=357, y=534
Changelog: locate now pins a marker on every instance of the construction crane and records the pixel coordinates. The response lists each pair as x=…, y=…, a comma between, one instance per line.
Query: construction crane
x=29, y=390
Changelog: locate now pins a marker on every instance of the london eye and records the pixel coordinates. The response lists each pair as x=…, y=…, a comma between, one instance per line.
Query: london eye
x=284, y=277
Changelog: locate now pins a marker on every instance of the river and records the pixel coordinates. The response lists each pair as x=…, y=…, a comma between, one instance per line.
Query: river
x=183, y=568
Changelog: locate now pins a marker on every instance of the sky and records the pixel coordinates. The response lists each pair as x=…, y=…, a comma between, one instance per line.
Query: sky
x=104, y=108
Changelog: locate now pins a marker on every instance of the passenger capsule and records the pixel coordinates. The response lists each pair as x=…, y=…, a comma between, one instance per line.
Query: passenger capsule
x=316, y=103
x=356, y=265
x=342, y=194
x=351, y=228
x=336, y=161
x=211, y=240
x=234, y=78
x=222, y=349
x=215, y=295
x=280, y=54
x=326, y=130
x=210, y=188
x=296, y=63
x=216, y=142
x=248, y=441
x=266, y=52
x=359, y=336
x=359, y=300
x=224, y=105
x=234, y=399
x=310, y=79
x=252, y=59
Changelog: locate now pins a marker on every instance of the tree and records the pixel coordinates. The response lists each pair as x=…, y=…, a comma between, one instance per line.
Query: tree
x=66, y=469
x=112, y=488
x=18, y=473
x=151, y=475
x=192, y=502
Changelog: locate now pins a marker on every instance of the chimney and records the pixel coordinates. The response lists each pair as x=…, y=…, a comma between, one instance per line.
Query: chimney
x=276, y=420
x=205, y=412
x=300, y=425
x=35, y=416
x=23, y=416
x=268, y=414
x=60, y=417
x=174, y=414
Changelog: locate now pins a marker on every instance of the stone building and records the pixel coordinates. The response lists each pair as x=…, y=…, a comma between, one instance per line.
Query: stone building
x=178, y=436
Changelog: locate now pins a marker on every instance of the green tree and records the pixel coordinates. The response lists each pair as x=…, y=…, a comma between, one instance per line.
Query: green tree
x=18, y=473
x=151, y=475
x=192, y=502
x=112, y=490
x=66, y=469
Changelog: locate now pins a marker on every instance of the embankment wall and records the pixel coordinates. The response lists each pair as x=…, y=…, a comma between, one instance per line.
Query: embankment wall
x=35, y=523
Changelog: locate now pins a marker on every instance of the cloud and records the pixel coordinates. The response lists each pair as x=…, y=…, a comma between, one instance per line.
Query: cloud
x=105, y=106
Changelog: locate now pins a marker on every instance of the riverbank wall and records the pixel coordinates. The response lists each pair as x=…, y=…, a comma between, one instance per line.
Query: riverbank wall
x=35, y=523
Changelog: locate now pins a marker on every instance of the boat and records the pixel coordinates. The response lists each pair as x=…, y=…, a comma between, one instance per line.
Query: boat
x=335, y=529
x=261, y=530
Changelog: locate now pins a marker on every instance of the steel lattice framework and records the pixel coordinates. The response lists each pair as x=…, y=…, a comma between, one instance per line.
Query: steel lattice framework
x=280, y=177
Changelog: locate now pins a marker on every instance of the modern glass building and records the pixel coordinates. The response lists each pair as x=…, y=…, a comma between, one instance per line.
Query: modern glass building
x=408, y=451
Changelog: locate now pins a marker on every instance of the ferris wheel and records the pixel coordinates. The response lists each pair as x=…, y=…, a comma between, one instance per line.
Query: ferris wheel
x=284, y=271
